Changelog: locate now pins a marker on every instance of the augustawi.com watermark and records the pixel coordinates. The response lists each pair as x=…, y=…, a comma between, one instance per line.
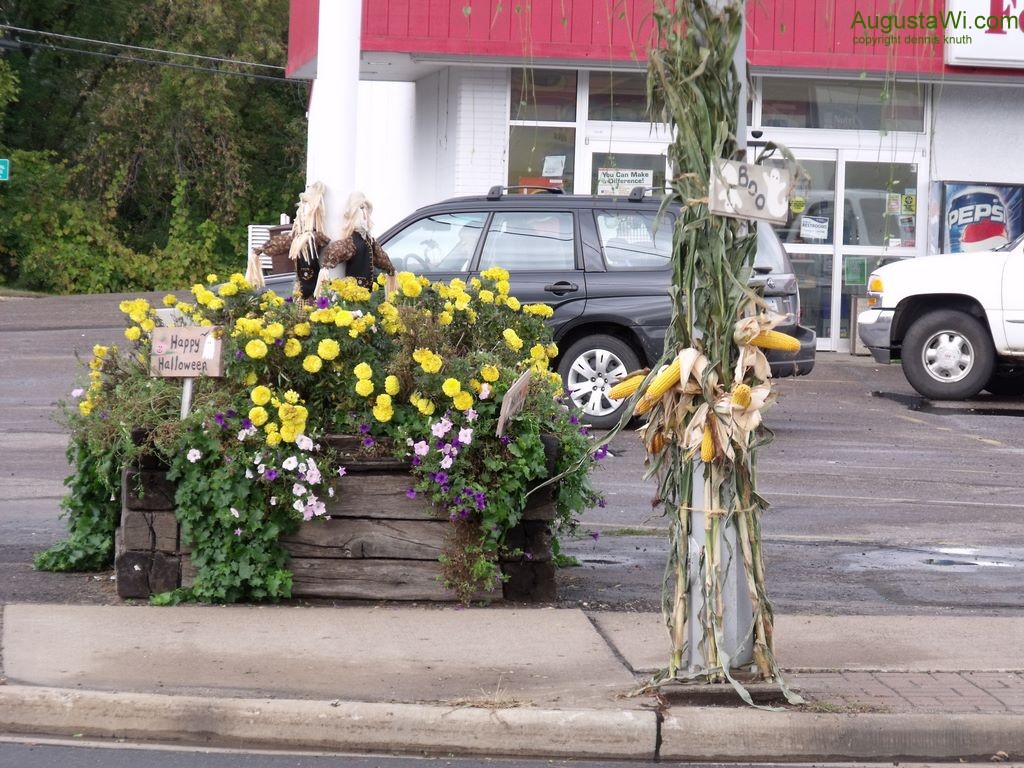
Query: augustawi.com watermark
x=953, y=27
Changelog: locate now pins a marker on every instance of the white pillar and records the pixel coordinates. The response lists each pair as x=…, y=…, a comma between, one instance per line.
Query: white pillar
x=333, y=106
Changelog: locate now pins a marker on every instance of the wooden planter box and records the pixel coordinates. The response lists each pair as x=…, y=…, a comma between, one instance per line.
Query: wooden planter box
x=378, y=545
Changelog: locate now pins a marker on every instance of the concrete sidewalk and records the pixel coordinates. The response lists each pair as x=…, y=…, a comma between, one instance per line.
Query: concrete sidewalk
x=539, y=682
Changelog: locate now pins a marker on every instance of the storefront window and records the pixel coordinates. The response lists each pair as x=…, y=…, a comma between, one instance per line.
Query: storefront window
x=811, y=205
x=543, y=94
x=541, y=156
x=868, y=105
x=882, y=198
x=618, y=96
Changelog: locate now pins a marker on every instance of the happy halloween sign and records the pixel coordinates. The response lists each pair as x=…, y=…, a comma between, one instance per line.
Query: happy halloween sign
x=186, y=352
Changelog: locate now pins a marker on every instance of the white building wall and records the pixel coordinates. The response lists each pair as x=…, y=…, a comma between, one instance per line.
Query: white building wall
x=976, y=132
x=385, y=137
x=480, y=129
x=433, y=167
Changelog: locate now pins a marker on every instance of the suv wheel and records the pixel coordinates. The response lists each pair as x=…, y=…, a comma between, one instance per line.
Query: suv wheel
x=591, y=367
x=948, y=355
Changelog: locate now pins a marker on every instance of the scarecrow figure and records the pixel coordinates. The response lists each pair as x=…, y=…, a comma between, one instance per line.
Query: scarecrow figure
x=356, y=248
x=305, y=241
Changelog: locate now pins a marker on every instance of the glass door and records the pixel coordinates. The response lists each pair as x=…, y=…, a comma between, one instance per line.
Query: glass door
x=809, y=236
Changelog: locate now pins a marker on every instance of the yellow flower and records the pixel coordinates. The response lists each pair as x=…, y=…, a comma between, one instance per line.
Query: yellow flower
x=211, y=278
x=343, y=318
x=273, y=439
x=503, y=285
x=170, y=300
x=256, y=349
x=490, y=373
x=409, y=285
x=463, y=401
x=271, y=426
x=85, y=407
x=228, y=289
x=302, y=329
x=392, y=385
x=495, y=274
x=538, y=353
x=250, y=379
x=487, y=297
x=538, y=310
x=328, y=349
x=275, y=330
x=292, y=347
x=551, y=350
x=260, y=395
x=512, y=339
x=424, y=406
x=474, y=283
x=445, y=318
x=258, y=416
x=291, y=397
x=432, y=364
x=363, y=371
x=451, y=387
x=312, y=363
x=364, y=387
x=216, y=304
x=383, y=413
x=133, y=333
x=147, y=325
x=513, y=303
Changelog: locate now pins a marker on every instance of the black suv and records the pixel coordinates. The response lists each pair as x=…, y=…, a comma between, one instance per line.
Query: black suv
x=600, y=262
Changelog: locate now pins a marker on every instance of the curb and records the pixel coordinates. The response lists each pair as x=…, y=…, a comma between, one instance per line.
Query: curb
x=337, y=725
x=745, y=734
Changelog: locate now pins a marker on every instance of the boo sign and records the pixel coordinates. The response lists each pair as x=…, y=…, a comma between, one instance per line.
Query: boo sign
x=745, y=191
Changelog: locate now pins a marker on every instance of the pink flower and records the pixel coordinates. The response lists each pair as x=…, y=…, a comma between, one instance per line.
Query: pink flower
x=77, y=392
x=194, y=455
x=238, y=531
x=446, y=462
x=466, y=435
x=471, y=415
x=485, y=391
x=298, y=489
x=341, y=471
x=441, y=428
x=421, y=448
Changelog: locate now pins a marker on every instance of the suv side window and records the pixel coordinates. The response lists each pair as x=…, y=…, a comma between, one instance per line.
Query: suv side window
x=444, y=242
x=630, y=241
x=542, y=240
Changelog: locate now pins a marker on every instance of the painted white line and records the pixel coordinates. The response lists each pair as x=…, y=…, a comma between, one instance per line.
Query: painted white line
x=896, y=500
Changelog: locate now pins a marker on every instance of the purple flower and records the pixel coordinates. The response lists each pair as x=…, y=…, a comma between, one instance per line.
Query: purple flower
x=231, y=414
x=239, y=354
x=440, y=478
x=364, y=428
x=219, y=418
x=104, y=415
x=602, y=503
x=289, y=299
x=601, y=452
x=595, y=535
x=270, y=475
x=416, y=461
x=322, y=303
x=411, y=493
x=278, y=342
x=367, y=441
x=246, y=424
x=505, y=439
x=584, y=431
x=574, y=420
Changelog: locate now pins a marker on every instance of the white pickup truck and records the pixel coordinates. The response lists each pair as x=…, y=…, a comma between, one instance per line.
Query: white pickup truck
x=955, y=321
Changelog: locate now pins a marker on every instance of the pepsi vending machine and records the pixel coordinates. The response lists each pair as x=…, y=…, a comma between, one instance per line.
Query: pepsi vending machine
x=980, y=217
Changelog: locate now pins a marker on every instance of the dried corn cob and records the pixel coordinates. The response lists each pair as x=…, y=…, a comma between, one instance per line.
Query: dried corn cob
x=628, y=385
x=665, y=379
x=741, y=395
x=707, y=445
x=776, y=340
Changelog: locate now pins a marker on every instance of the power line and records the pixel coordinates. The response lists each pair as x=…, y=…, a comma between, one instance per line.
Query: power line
x=138, y=47
x=136, y=60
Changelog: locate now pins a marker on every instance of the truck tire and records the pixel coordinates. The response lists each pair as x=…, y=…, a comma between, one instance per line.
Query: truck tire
x=948, y=355
x=589, y=368
x=1011, y=383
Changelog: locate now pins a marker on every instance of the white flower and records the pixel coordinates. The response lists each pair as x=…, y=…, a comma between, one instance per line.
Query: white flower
x=313, y=475
x=304, y=443
x=290, y=463
x=77, y=392
x=248, y=474
x=446, y=462
x=262, y=468
x=194, y=455
x=465, y=435
x=235, y=512
x=257, y=459
x=330, y=492
x=299, y=505
x=298, y=489
x=273, y=501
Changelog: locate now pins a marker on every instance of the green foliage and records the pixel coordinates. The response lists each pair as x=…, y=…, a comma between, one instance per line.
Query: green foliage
x=93, y=510
x=160, y=168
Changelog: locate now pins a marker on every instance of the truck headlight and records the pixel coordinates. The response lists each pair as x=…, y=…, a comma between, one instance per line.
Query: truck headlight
x=875, y=288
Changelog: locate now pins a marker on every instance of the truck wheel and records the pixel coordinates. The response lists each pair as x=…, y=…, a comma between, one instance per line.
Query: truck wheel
x=592, y=366
x=948, y=355
x=1006, y=383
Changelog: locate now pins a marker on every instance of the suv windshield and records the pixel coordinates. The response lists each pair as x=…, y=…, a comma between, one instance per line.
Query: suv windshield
x=770, y=254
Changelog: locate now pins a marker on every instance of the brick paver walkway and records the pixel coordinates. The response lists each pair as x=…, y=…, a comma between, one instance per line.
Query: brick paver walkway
x=956, y=692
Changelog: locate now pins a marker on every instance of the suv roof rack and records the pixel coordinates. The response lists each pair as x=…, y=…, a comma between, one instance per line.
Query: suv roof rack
x=496, y=192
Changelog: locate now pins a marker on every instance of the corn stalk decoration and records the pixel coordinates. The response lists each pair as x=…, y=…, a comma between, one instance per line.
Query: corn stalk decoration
x=703, y=405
